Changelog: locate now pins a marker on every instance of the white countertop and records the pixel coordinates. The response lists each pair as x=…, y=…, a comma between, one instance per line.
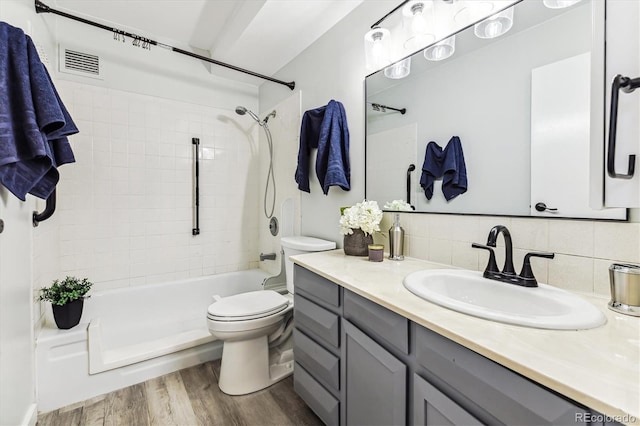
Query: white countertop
x=599, y=368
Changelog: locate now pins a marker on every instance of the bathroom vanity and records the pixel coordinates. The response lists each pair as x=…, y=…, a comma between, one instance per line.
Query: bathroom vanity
x=369, y=352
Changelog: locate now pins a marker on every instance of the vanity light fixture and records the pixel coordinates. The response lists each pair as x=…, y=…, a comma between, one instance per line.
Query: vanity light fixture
x=470, y=11
x=376, y=48
x=415, y=17
x=399, y=70
x=441, y=50
x=495, y=25
x=559, y=4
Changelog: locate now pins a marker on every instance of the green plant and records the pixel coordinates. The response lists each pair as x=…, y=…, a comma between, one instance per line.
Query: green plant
x=65, y=291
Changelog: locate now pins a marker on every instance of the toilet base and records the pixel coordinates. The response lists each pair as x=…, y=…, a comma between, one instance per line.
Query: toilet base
x=247, y=366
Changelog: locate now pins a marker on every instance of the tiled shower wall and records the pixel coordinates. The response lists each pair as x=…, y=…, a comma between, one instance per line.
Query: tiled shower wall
x=584, y=249
x=125, y=208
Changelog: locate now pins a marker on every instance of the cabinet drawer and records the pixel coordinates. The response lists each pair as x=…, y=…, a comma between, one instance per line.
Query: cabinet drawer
x=317, y=398
x=377, y=320
x=318, y=321
x=504, y=394
x=322, y=364
x=432, y=407
x=316, y=287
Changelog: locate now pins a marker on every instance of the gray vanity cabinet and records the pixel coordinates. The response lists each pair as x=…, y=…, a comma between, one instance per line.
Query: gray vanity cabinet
x=375, y=382
x=432, y=407
x=317, y=314
x=359, y=363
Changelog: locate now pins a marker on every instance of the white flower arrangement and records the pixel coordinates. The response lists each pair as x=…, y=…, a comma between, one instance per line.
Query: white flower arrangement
x=365, y=215
x=399, y=205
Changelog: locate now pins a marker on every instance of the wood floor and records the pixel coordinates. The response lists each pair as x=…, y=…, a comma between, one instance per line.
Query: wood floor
x=184, y=398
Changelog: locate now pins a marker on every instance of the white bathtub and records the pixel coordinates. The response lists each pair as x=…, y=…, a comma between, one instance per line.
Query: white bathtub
x=130, y=335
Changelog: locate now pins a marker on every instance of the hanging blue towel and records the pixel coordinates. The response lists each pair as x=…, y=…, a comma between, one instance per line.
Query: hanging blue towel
x=447, y=164
x=34, y=123
x=326, y=129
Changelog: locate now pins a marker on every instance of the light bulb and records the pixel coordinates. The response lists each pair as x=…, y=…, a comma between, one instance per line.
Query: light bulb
x=493, y=29
x=418, y=22
x=495, y=25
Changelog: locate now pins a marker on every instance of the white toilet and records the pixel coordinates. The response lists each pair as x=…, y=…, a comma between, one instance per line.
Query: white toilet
x=256, y=328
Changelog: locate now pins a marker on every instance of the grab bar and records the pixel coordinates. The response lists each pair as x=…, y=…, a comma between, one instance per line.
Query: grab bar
x=196, y=144
x=411, y=168
x=627, y=85
x=48, y=211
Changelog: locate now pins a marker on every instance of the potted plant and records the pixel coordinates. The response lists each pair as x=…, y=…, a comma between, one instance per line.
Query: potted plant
x=357, y=224
x=67, y=299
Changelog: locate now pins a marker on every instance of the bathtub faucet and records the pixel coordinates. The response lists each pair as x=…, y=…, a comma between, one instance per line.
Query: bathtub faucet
x=268, y=256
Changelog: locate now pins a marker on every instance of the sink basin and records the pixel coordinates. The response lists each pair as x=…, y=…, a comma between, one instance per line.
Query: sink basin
x=470, y=293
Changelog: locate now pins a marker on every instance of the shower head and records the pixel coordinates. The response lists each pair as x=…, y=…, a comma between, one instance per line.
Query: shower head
x=271, y=114
x=240, y=110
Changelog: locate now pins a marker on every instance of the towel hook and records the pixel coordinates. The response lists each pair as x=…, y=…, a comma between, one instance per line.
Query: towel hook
x=627, y=85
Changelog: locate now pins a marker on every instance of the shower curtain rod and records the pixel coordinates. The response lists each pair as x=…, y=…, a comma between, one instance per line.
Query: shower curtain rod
x=43, y=8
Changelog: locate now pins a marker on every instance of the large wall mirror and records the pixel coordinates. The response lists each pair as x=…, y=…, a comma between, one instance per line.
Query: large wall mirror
x=524, y=106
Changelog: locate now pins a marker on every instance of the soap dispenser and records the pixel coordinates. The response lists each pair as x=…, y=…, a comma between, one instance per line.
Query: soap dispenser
x=396, y=239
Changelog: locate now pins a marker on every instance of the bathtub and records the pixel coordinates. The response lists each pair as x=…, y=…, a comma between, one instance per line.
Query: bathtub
x=133, y=334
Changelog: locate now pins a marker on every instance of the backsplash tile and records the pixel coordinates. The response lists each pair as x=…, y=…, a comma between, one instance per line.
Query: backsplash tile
x=584, y=249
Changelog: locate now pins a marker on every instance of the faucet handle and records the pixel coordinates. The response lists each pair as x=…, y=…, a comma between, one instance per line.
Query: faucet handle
x=492, y=266
x=527, y=273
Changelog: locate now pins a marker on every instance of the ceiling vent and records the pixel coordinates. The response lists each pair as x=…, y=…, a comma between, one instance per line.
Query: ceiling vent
x=80, y=63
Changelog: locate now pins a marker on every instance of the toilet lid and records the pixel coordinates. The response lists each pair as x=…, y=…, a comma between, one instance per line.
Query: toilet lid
x=251, y=305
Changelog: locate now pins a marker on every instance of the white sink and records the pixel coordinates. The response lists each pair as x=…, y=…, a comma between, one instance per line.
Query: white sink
x=470, y=293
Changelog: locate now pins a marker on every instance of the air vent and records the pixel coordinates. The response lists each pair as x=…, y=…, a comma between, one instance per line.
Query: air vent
x=80, y=63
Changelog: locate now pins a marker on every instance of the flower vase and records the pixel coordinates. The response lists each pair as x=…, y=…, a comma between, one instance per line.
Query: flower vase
x=357, y=244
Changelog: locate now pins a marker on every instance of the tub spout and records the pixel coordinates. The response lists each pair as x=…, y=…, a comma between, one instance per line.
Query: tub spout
x=268, y=256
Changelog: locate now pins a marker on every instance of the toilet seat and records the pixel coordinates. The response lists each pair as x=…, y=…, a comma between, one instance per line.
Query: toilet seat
x=247, y=306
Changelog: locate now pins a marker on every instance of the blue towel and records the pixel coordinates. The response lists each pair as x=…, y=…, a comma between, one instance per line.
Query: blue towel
x=34, y=124
x=447, y=164
x=326, y=129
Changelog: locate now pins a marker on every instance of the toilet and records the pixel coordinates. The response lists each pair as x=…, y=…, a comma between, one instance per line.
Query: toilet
x=256, y=327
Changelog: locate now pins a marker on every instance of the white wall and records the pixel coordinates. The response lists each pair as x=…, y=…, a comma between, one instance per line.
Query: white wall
x=21, y=247
x=334, y=67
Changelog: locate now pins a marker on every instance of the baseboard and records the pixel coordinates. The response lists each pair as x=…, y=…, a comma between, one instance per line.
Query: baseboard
x=31, y=416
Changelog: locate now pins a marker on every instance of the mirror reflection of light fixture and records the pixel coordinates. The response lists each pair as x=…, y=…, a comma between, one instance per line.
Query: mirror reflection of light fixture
x=376, y=48
x=441, y=50
x=415, y=16
x=559, y=4
x=399, y=70
x=495, y=25
x=468, y=11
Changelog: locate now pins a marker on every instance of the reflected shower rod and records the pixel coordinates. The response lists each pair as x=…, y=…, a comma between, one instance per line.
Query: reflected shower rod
x=43, y=8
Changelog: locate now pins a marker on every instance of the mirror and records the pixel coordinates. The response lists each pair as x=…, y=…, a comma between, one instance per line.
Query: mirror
x=521, y=105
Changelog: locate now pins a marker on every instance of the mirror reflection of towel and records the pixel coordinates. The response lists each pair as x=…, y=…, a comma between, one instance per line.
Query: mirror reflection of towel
x=448, y=164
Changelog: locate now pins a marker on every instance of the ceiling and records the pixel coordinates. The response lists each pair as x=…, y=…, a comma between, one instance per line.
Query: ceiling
x=259, y=35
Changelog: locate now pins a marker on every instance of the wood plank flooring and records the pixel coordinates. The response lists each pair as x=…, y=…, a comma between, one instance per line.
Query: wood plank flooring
x=184, y=398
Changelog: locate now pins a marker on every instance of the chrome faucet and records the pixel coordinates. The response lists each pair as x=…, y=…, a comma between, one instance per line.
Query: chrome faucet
x=508, y=273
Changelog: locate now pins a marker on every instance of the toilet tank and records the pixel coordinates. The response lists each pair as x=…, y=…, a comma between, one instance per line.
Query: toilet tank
x=299, y=245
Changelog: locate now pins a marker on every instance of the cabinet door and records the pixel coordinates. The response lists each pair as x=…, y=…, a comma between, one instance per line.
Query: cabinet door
x=432, y=407
x=374, y=381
